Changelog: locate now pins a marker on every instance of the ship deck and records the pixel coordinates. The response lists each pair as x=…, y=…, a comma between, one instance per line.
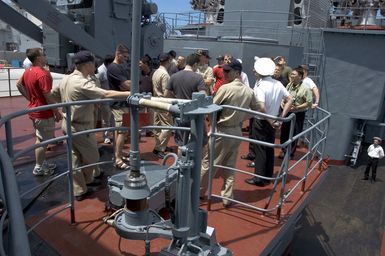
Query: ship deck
x=243, y=230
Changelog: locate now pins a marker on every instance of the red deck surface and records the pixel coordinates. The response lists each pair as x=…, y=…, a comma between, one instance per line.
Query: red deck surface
x=243, y=230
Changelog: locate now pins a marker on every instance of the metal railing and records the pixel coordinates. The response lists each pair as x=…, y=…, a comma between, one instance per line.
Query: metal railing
x=10, y=75
x=244, y=24
x=315, y=135
x=10, y=192
x=353, y=17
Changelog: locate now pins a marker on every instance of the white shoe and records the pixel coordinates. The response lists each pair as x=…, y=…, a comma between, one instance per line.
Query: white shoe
x=42, y=171
x=107, y=141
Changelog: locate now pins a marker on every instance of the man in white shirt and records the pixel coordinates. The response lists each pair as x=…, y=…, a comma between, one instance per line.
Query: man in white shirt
x=311, y=85
x=105, y=110
x=271, y=92
x=244, y=77
x=375, y=152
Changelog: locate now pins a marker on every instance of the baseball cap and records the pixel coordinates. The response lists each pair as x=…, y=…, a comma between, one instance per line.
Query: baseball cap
x=377, y=138
x=83, y=57
x=204, y=53
x=233, y=64
x=264, y=66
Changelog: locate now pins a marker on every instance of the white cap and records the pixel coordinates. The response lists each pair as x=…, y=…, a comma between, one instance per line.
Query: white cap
x=239, y=60
x=264, y=66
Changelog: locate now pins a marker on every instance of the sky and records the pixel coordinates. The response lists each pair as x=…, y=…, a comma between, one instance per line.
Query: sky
x=173, y=6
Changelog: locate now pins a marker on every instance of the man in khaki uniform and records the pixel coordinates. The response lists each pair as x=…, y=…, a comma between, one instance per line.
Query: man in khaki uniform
x=82, y=85
x=237, y=94
x=205, y=70
x=159, y=81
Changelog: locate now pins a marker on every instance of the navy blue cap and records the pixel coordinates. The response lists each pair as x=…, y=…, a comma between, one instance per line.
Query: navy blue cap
x=234, y=64
x=164, y=57
x=83, y=57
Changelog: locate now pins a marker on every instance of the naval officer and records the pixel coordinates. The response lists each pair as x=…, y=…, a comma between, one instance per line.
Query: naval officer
x=82, y=84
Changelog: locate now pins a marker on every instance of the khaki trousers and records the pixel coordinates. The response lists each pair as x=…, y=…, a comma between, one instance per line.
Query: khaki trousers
x=226, y=151
x=162, y=136
x=84, y=152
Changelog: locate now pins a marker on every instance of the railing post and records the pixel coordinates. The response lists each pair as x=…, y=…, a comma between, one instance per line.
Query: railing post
x=68, y=124
x=211, y=160
x=19, y=244
x=8, y=137
x=9, y=82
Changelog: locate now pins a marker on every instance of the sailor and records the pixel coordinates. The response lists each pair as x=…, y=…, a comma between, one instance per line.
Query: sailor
x=286, y=70
x=119, y=80
x=375, y=152
x=205, y=70
x=181, y=63
x=302, y=100
x=229, y=121
x=271, y=92
x=160, y=80
x=278, y=74
x=172, y=69
x=81, y=84
x=311, y=85
x=182, y=85
x=244, y=77
x=105, y=109
x=35, y=85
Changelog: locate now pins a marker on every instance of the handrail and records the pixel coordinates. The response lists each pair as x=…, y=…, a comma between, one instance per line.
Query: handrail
x=285, y=168
x=9, y=179
x=12, y=78
x=275, y=24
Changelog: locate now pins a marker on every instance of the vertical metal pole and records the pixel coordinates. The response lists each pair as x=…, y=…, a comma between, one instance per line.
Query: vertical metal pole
x=9, y=82
x=197, y=137
x=286, y=167
x=240, y=27
x=211, y=159
x=308, y=161
x=134, y=111
x=8, y=137
x=18, y=233
x=69, y=162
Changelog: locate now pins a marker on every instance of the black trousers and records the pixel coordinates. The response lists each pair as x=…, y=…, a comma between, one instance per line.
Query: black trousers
x=372, y=162
x=264, y=156
x=252, y=136
x=298, y=127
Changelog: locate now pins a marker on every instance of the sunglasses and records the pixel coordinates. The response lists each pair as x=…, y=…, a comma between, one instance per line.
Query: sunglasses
x=226, y=71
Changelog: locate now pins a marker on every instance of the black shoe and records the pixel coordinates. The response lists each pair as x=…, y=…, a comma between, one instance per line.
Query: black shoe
x=94, y=183
x=83, y=196
x=365, y=178
x=256, y=182
x=252, y=164
x=158, y=153
x=247, y=157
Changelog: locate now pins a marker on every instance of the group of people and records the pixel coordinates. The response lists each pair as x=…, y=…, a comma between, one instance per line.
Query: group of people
x=279, y=91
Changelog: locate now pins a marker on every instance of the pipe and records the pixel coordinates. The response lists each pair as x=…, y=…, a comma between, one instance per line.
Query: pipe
x=134, y=115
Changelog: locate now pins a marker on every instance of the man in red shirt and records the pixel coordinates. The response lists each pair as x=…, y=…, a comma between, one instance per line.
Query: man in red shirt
x=35, y=85
x=218, y=72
